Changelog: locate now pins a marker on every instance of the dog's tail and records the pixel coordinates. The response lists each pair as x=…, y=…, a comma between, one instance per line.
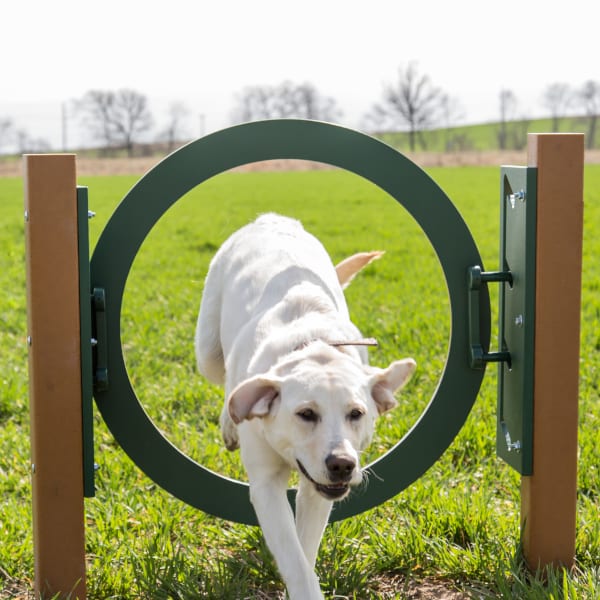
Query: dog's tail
x=349, y=267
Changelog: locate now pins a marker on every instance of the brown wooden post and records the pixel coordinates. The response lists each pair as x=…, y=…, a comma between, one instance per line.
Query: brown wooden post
x=548, y=497
x=55, y=374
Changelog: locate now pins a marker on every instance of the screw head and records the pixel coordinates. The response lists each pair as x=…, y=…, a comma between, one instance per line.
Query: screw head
x=512, y=198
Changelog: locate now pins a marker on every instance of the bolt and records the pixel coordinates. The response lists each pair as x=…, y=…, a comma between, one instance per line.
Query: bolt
x=32, y=467
x=91, y=214
x=29, y=340
x=26, y=216
x=519, y=320
x=516, y=446
x=510, y=445
x=512, y=198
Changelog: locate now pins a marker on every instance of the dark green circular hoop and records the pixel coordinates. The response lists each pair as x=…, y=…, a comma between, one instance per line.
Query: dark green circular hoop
x=367, y=157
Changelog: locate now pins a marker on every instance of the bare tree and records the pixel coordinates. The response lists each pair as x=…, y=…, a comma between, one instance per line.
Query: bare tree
x=411, y=101
x=253, y=104
x=589, y=99
x=118, y=118
x=451, y=113
x=313, y=105
x=512, y=128
x=175, y=131
x=6, y=132
x=507, y=105
x=557, y=99
x=508, y=112
x=286, y=100
x=27, y=144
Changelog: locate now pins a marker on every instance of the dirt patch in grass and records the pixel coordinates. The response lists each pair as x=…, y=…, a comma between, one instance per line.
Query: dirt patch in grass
x=416, y=589
x=138, y=166
x=386, y=588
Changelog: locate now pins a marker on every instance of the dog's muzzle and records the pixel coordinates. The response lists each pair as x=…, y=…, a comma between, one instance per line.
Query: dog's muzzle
x=333, y=491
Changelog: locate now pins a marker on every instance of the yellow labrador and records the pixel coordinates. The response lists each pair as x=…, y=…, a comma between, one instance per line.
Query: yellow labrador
x=274, y=329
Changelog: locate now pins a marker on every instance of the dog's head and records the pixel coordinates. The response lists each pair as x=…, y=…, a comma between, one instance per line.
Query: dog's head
x=318, y=410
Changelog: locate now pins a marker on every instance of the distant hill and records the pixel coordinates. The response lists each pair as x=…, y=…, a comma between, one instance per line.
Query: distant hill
x=483, y=137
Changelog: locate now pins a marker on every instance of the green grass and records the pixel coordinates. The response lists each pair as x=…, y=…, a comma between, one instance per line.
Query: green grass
x=458, y=524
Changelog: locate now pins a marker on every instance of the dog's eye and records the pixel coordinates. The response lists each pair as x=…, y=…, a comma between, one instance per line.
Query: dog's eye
x=308, y=415
x=355, y=414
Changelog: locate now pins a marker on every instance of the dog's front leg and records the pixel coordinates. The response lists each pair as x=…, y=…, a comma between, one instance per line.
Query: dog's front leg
x=312, y=513
x=275, y=516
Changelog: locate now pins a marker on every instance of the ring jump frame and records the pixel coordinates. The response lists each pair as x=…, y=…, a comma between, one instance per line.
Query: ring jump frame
x=538, y=348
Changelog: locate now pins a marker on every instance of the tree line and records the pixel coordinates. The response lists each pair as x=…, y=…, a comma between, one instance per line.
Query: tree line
x=120, y=120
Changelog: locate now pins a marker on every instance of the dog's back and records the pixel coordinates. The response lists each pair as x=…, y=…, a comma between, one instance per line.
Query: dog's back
x=252, y=272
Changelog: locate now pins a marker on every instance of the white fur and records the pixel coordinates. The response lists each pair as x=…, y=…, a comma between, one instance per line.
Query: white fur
x=272, y=301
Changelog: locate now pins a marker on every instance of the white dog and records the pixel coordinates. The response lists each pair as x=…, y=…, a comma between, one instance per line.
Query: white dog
x=274, y=329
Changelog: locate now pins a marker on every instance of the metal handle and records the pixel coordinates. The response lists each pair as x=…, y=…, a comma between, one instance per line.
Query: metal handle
x=477, y=278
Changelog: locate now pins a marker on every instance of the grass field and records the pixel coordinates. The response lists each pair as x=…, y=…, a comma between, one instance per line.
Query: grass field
x=458, y=525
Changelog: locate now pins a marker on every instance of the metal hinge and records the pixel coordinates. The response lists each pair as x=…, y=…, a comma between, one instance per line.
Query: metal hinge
x=99, y=341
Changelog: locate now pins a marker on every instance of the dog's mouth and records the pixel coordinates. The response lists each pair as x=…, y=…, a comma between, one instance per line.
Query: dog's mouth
x=332, y=491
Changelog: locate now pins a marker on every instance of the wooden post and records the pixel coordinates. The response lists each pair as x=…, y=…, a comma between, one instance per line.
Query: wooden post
x=548, y=497
x=55, y=374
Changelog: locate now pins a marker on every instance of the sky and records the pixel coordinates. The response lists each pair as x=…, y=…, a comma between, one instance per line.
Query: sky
x=204, y=53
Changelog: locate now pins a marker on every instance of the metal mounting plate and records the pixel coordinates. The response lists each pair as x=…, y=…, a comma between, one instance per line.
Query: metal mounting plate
x=85, y=320
x=514, y=439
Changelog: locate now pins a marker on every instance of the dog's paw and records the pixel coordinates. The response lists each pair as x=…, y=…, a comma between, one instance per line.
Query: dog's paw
x=231, y=443
x=229, y=433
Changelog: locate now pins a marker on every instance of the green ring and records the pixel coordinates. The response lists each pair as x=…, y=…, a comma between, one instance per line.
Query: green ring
x=358, y=153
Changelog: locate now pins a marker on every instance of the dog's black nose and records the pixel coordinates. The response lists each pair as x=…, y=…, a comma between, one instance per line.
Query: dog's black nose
x=340, y=466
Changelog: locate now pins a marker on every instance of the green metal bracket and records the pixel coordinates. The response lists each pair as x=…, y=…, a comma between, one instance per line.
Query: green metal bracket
x=514, y=436
x=85, y=329
x=99, y=340
x=514, y=439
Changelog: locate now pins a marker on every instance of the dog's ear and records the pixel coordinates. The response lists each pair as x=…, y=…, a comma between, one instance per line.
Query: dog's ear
x=387, y=381
x=252, y=398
